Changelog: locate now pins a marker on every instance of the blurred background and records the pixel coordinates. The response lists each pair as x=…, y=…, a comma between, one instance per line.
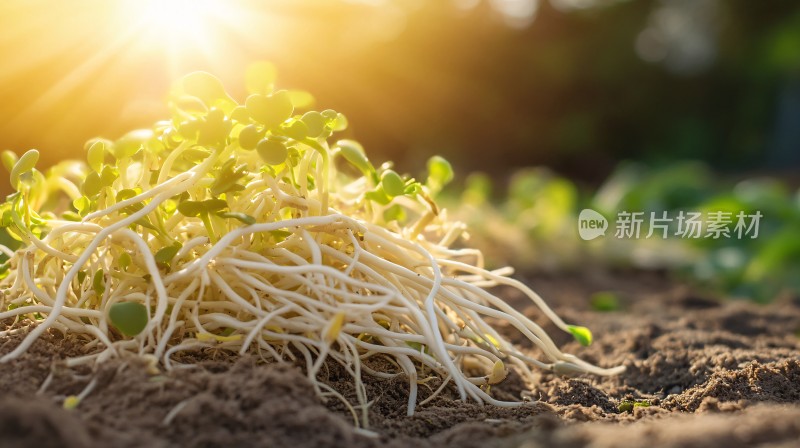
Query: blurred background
x=577, y=85
x=652, y=104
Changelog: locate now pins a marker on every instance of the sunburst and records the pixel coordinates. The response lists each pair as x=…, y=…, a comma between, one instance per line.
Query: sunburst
x=60, y=60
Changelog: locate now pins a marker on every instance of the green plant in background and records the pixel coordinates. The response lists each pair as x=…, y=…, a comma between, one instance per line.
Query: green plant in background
x=537, y=210
x=756, y=268
x=605, y=301
x=242, y=226
x=540, y=212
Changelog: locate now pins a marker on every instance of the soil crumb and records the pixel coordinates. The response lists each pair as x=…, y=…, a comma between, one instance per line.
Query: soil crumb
x=700, y=372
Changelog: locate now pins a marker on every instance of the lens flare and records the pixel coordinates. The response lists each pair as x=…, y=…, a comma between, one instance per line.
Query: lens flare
x=180, y=29
x=175, y=22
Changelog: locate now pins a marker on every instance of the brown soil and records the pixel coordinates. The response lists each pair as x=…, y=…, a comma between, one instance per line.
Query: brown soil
x=713, y=373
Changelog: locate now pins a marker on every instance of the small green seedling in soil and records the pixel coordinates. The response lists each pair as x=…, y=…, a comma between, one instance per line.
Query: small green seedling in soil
x=581, y=334
x=629, y=405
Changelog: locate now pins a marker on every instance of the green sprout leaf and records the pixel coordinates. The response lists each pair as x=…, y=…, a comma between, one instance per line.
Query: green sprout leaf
x=228, y=177
x=240, y=115
x=297, y=130
x=197, y=208
x=280, y=235
x=194, y=155
x=145, y=222
x=440, y=173
x=270, y=110
x=213, y=205
x=108, y=176
x=200, y=174
x=125, y=260
x=24, y=165
x=71, y=402
x=379, y=196
x=214, y=128
x=392, y=183
x=629, y=405
x=334, y=120
x=92, y=184
x=191, y=104
x=394, y=213
x=244, y=218
x=69, y=215
x=191, y=209
x=82, y=205
x=205, y=86
x=422, y=348
x=129, y=318
x=125, y=194
x=625, y=406
x=249, y=137
x=581, y=334
x=98, y=282
x=413, y=189
x=9, y=159
x=166, y=254
x=315, y=123
x=271, y=151
x=130, y=143
x=189, y=128
x=353, y=152
x=96, y=155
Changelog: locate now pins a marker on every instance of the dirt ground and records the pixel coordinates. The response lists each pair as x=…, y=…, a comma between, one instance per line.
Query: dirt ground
x=703, y=372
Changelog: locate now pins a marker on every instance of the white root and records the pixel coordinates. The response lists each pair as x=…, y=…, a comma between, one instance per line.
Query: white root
x=319, y=276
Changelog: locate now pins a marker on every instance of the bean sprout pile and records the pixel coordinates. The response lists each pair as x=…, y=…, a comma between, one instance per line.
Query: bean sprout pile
x=241, y=227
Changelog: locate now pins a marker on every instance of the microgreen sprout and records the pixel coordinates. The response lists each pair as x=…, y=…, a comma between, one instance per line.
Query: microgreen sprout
x=71, y=402
x=129, y=318
x=241, y=227
x=581, y=334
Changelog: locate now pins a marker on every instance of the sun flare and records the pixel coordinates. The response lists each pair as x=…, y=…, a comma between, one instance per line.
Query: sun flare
x=178, y=29
x=175, y=23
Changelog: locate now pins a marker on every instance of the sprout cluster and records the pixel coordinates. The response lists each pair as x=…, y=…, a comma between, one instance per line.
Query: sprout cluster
x=241, y=226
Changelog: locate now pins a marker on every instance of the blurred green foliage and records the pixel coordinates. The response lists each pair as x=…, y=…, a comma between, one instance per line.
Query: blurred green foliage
x=758, y=268
x=605, y=301
x=571, y=90
x=534, y=226
x=577, y=90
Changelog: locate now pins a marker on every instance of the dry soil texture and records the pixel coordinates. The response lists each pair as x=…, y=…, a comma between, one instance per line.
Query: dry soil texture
x=700, y=372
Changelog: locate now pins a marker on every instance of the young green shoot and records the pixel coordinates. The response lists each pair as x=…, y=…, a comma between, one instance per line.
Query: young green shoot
x=242, y=227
